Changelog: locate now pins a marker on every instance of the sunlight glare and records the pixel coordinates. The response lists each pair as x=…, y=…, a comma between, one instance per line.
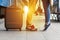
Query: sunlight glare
x=25, y=9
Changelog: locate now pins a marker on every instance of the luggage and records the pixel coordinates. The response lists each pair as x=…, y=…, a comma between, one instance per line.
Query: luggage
x=13, y=18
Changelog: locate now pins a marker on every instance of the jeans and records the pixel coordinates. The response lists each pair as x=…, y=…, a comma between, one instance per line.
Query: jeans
x=48, y=15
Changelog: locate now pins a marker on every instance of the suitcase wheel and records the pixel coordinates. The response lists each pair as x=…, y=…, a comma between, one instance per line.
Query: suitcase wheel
x=19, y=29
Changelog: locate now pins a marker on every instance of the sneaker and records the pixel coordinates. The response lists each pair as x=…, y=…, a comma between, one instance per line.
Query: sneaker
x=46, y=27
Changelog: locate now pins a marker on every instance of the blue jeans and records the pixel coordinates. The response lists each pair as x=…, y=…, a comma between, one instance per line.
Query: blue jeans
x=48, y=14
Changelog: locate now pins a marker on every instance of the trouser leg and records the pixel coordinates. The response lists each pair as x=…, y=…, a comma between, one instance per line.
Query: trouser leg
x=47, y=18
x=29, y=19
x=48, y=15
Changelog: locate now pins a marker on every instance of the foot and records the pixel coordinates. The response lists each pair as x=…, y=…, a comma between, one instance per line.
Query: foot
x=46, y=27
x=31, y=28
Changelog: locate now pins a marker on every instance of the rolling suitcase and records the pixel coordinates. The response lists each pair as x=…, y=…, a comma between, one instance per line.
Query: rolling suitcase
x=13, y=18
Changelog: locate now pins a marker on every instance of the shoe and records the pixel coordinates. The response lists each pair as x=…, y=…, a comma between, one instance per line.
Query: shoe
x=46, y=27
x=31, y=28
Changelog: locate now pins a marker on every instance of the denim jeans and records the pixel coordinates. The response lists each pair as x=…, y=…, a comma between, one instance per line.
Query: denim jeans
x=48, y=14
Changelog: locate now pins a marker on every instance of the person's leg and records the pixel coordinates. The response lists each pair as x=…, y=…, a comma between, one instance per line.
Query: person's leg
x=48, y=15
x=29, y=25
x=32, y=6
x=29, y=18
x=47, y=18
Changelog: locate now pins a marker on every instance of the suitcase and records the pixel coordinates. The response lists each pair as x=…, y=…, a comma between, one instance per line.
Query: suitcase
x=13, y=18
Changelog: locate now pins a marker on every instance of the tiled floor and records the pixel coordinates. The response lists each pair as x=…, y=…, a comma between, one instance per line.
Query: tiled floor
x=53, y=33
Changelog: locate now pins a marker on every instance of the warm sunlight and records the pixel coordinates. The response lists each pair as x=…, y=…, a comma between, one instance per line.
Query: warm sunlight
x=25, y=16
x=25, y=10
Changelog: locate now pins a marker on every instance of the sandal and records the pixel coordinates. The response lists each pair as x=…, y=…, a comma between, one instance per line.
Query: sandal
x=31, y=28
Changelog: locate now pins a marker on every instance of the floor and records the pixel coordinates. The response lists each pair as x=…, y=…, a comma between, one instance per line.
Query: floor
x=52, y=33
